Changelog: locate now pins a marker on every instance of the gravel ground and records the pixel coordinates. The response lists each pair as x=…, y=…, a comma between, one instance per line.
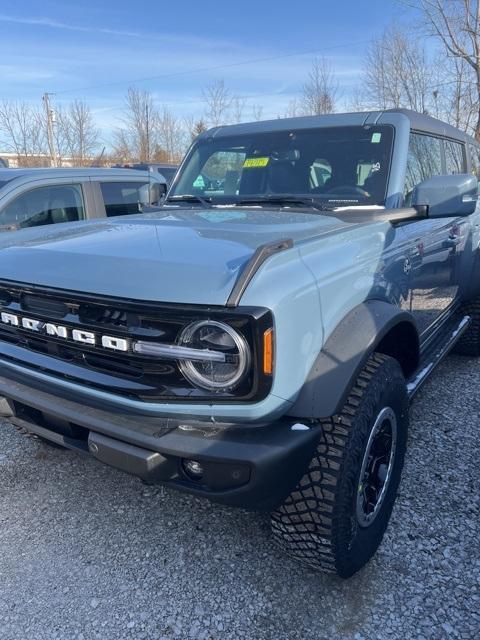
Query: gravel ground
x=88, y=552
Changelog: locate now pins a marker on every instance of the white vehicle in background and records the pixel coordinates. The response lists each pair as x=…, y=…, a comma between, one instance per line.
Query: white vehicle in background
x=35, y=197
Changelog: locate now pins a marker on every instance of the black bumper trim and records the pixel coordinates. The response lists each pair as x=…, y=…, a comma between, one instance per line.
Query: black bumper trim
x=275, y=455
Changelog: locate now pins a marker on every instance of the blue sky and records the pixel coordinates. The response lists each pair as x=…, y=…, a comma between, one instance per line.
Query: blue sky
x=94, y=50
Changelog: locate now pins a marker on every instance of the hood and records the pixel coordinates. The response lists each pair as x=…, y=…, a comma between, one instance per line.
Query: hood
x=190, y=256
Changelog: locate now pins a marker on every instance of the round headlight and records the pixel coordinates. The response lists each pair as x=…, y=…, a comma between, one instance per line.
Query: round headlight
x=223, y=339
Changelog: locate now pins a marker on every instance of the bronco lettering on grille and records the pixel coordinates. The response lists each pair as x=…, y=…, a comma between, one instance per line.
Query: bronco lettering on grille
x=60, y=331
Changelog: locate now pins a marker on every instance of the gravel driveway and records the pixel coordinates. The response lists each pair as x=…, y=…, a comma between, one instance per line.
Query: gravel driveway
x=88, y=552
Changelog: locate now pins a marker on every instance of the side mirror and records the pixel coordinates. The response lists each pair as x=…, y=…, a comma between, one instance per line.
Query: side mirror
x=158, y=191
x=447, y=196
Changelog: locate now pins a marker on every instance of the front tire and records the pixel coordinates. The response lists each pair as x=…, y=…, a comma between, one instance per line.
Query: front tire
x=335, y=518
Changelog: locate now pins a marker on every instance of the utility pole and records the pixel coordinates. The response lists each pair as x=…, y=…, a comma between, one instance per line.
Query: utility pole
x=50, y=122
x=147, y=125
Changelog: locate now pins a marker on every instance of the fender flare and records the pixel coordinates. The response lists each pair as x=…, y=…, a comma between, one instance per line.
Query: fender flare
x=346, y=352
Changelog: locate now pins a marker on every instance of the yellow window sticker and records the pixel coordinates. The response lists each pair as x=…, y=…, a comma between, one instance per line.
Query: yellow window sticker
x=255, y=163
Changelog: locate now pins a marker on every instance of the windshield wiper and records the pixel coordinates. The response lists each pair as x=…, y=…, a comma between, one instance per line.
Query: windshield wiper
x=286, y=201
x=206, y=202
x=282, y=201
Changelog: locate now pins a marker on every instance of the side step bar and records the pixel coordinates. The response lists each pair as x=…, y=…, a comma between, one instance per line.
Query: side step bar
x=437, y=352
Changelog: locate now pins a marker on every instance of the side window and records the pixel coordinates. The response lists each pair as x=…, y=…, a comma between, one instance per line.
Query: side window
x=365, y=170
x=124, y=198
x=424, y=160
x=453, y=157
x=45, y=205
x=320, y=172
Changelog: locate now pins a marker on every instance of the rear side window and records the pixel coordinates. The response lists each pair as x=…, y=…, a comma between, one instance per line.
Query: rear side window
x=424, y=160
x=454, y=162
x=45, y=205
x=124, y=198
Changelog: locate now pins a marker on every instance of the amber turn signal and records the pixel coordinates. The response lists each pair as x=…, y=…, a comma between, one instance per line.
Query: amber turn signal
x=268, y=352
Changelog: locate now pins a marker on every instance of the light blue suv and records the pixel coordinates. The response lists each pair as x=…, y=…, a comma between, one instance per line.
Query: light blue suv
x=258, y=339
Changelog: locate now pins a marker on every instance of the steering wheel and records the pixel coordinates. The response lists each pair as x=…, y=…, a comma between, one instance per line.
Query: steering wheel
x=349, y=189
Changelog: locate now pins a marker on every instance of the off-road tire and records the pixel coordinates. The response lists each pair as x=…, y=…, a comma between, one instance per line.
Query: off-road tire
x=317, y=524
x=469, y=342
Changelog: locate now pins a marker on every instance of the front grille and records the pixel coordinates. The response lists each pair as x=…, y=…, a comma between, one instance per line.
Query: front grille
x=140, y=377
x=44, y=306
x=105, y=316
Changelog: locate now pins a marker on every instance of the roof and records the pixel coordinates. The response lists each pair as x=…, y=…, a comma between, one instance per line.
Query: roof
x=424, y=122
x=65, y=172
x=417, y=121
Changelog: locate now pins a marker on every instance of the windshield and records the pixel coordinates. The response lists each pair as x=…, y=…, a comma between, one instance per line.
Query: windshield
x=338, y=166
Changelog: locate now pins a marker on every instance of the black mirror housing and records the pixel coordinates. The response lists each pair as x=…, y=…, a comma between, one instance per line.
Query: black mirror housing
x=447, y=196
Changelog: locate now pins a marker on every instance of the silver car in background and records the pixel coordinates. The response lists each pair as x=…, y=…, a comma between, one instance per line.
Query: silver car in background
x=35, y=197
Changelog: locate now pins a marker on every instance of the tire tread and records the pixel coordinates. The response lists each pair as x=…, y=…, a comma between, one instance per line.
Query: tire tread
x=317, y=499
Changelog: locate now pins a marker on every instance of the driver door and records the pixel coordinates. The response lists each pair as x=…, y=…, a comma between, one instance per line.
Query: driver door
x=434, y=246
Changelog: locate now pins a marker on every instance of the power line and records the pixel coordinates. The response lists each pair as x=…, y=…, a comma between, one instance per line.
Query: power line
x=246, y=96
x=212, y=68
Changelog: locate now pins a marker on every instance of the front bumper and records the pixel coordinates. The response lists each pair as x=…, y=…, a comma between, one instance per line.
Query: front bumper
x=251, y=466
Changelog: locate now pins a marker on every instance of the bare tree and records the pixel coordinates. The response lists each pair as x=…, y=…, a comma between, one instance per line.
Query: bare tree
x=397, y=72
x=194, y=127
x=61, y=135
x=319, y=93
x=121, y=148
x=171, y=136
x=257, y=112
x=456, y=25
x=238, y=108
x=218, y=101
x=294, y=109
x=454, y=95
x=22, y=132
x=357, y=100
x=138, y=137
x=77, y=136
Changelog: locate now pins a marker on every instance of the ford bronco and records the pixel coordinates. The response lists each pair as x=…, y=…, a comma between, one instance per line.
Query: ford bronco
x=258, y=339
